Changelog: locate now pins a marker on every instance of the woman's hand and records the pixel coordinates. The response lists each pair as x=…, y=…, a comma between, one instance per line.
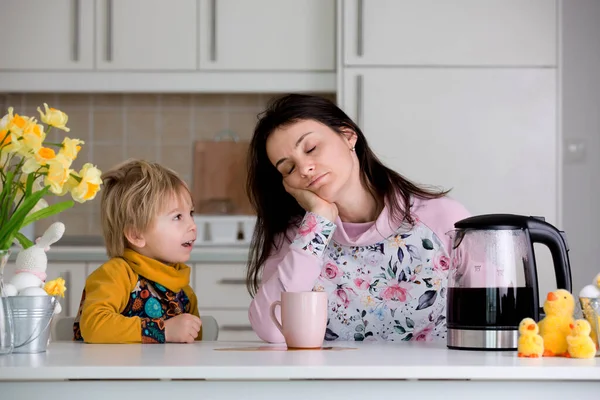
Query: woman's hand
x=313, y=203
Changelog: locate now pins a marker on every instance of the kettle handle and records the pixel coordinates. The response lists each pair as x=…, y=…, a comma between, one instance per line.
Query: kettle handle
x=546, y=234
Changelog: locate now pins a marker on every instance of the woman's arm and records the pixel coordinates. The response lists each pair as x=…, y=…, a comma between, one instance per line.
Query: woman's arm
x=295, y=267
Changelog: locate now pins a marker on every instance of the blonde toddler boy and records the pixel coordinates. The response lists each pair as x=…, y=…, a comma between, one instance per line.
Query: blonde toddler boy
x=142, y=294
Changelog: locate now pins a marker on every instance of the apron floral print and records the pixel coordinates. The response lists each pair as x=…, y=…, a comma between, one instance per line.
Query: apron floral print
x=391, y=290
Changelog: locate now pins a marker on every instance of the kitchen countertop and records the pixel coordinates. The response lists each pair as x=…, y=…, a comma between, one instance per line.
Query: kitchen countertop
x=352, y=370
x=360, y=360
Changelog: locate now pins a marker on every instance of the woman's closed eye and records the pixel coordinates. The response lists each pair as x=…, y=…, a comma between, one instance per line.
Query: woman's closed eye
x=307, y=152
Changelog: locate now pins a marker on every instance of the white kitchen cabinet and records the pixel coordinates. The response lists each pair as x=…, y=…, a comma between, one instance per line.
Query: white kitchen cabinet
x=274, y=35
x=234, y=325
x=74, y=275
x=221, y=292
x=146, y=35
x=47, y=35
x=221, y=286
x=450, y=33
x=488, y=134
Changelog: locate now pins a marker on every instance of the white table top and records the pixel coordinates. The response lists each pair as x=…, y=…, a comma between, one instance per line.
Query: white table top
x=390, y=360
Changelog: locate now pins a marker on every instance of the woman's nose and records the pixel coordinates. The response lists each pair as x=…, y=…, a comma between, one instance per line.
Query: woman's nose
x=306, y=169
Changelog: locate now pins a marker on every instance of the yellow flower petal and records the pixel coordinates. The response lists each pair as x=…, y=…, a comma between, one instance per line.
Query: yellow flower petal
x=89, y=185
x=55, y=287
x=54, y=117
x=58, y=174
x=70, y=147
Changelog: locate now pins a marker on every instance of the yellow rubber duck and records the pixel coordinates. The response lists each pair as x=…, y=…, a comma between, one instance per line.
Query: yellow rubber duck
x=580, y=344
x=530, y=343
x=556, y=325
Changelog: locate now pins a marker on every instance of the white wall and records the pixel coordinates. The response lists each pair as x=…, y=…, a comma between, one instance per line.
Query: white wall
x=581, y=128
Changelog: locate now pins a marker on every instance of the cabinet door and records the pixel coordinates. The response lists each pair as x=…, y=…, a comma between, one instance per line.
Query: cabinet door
x=458, y=32
x=47, y=35
x=234, y=325
x=292, y=35
x=74, y=275
x=488, y=134
x=146, y=35
x=221, y=286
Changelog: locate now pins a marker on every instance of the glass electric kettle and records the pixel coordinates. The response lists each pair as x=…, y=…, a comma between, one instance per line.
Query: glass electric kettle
x=493, y=282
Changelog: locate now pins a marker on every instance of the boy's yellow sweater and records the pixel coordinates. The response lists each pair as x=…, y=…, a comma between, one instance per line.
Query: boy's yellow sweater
x=127, y=300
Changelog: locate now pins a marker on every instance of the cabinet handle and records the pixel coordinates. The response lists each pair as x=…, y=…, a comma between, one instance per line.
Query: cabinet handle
x=109, y=30
x=67, y=297
x=76, y=17
x=213, y=30
x=359, y=27
x=236, y=328
x=359, y=100
x=232, y=281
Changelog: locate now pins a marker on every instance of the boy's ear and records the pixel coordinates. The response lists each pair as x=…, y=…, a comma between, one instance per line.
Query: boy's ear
x=134, y=238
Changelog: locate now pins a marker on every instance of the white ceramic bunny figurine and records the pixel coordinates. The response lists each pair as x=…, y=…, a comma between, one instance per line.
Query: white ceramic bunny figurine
x=32, y=263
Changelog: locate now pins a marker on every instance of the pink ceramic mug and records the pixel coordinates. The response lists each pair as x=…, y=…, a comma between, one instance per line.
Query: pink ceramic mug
x=303, y=318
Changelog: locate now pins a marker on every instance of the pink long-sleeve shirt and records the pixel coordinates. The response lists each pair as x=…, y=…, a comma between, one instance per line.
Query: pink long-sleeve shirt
x=385, y=280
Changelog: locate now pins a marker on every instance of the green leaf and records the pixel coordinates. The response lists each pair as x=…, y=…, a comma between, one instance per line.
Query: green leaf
x=29, y=187
x=427, y=244
x=25, y=243
x=407, y=337
x=7, y=232
x=399, y=329
x=48, y=211
x=391, y=273
x=5, y=204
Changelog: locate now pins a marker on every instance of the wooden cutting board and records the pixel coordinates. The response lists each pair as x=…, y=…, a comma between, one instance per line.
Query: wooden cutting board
x=219, y=175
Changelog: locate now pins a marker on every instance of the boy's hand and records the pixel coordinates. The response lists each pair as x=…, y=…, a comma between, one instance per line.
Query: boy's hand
x=183, y=328
x=313, y=203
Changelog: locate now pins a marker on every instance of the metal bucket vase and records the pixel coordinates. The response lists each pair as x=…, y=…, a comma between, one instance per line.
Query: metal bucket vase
x=32, y=316
x=6, y=320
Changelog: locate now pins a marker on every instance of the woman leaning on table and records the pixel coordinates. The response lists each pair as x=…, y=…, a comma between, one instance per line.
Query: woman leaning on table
x=332, y=217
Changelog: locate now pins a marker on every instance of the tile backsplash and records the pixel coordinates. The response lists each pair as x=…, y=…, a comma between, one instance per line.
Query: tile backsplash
x=155, y=127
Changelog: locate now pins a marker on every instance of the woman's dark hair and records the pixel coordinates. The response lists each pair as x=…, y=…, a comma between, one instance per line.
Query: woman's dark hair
x=276, y=209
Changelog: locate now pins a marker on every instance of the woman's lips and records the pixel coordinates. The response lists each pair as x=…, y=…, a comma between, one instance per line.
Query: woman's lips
x=317, y=180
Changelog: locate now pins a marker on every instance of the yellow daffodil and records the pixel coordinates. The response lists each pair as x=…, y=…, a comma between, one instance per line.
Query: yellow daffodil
x=31, y=139
x=16, y=123
x=55, y=287
x=70, y=147
x=27, y=162
x=54, y=117
x=58, y=174
x=39, y=159
x=89, y=184
x=5, y=136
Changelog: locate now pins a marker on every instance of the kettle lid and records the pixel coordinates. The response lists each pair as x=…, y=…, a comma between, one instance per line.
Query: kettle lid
x=496, y=222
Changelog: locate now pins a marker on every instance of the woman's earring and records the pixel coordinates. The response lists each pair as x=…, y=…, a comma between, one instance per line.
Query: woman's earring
x=352, y=149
